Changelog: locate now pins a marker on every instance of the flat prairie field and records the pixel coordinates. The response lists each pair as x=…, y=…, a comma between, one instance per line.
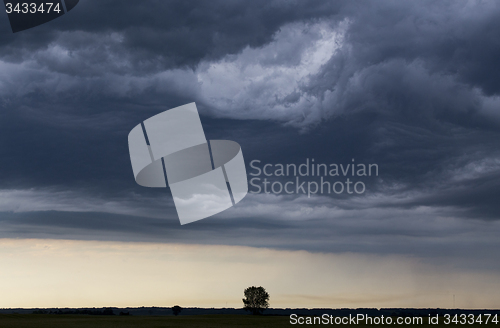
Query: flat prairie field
x=196, y=321
x=104, y=321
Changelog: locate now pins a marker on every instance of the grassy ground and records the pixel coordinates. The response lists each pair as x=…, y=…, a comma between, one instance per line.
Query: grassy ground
x=196, y=321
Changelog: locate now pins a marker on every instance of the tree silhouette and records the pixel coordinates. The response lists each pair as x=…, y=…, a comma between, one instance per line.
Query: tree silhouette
x=176, y=309
x=256, y=300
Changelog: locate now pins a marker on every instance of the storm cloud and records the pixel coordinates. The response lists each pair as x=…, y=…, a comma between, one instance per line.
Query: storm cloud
x=412, y=87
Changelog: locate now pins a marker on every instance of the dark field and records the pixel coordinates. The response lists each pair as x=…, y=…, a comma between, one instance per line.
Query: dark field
x=215, y=321
x=76, y=321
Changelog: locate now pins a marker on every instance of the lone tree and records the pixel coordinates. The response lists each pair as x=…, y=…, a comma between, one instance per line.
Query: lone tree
x=176, y=309
x=256, y=300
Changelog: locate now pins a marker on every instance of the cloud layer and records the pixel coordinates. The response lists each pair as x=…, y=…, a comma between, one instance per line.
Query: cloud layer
x=412, y=87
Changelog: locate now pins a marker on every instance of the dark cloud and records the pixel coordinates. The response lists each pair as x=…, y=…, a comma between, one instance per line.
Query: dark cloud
x=412, y=87
x=163, y=34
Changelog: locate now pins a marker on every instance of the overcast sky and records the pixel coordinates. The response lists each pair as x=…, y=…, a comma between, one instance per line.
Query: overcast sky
x=411, y=86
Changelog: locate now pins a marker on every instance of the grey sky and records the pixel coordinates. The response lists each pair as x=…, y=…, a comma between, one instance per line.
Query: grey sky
x=412, y=87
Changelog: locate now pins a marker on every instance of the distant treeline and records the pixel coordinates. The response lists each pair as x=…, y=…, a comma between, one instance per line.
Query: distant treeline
x=106, y=311
x=272, y=311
